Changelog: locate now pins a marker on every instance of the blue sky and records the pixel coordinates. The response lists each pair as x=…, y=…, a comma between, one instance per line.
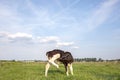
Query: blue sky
x=86, y=28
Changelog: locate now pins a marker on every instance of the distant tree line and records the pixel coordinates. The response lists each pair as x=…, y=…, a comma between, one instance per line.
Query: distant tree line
x=85, y=59
x=75, y=59
x=93, y=60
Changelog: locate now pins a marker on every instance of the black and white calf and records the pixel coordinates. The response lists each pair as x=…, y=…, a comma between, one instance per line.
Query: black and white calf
x=65, y=57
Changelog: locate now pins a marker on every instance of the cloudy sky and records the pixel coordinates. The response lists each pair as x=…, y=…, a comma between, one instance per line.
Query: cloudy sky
x=86, y=28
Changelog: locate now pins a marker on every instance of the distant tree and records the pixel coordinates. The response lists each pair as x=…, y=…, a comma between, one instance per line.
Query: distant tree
x=13, y=60
x=100, y=60
x=117, y=59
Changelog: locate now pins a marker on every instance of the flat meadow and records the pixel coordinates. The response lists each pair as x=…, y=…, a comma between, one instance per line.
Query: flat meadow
x=82, y=71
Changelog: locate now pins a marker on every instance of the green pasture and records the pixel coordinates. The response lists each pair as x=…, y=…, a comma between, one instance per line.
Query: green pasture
x=82, y=71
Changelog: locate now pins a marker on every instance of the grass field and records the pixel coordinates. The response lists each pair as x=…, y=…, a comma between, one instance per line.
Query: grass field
x=82, y=71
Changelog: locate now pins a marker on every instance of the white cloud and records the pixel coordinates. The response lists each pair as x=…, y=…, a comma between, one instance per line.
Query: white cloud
x=17, y=37
x=64, y=44
x=3, y=34
x=48, y=39
x=28, y=38
x=75, y=47
x=20, y=35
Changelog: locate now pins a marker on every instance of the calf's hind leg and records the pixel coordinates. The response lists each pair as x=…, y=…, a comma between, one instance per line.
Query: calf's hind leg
x=51, y=61
x=47, y=68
